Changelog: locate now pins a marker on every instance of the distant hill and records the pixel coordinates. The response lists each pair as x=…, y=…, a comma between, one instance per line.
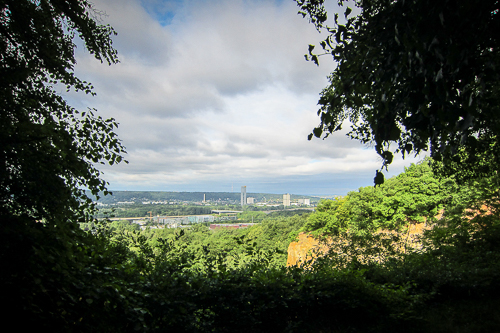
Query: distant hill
x=142, y=196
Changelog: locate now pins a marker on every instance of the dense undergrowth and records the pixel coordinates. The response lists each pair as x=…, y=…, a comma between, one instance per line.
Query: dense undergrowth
x=118, y=280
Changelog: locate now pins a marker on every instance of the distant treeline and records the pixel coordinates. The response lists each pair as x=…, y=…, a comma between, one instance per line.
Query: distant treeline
x=139, y=210
x=143, y=211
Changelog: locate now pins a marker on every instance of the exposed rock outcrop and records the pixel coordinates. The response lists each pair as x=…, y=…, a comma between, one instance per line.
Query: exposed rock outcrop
x=307, y=246
x=304, y=246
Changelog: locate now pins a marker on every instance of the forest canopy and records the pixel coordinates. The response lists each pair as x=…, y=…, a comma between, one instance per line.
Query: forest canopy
x=414, y=196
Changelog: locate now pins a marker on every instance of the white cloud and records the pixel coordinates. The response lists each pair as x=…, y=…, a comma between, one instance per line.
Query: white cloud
x=212, y=92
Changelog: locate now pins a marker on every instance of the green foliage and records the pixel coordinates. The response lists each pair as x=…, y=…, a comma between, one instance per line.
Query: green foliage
x=289, y=212
x=48, y=149
x=173, y=286
x=112, y=278
x=330, y=215
x=414, y=196
x=197, y=280
x=421, y=74
x=55, y=274
x=142, y=210
x=236, y=246
x=123, y=225
x=77, y=283
x=249, y=216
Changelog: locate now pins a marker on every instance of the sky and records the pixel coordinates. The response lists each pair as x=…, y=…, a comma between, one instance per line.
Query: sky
x=214, y=95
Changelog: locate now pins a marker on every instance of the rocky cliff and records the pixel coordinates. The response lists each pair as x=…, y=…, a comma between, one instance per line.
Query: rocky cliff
x=308, y=247
x=305, y=245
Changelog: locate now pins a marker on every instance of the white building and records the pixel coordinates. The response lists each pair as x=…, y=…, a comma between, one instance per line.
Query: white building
x=306, y=202
x=286, y=200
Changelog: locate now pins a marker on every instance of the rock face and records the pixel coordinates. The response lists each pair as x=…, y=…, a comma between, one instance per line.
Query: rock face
x=307, y=247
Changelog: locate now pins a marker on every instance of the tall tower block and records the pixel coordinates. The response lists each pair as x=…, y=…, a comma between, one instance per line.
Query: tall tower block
x=243, y=196
x=286, y=200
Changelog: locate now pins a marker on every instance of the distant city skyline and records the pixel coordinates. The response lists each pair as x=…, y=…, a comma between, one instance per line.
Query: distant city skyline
x=310, y=185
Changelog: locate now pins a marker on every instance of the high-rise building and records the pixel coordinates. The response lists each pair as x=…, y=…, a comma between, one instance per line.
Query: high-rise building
x=243, y=196
x=286, y=200
x=250, y=200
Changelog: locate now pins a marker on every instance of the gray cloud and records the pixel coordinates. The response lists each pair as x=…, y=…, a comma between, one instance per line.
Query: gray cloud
x=212, y=93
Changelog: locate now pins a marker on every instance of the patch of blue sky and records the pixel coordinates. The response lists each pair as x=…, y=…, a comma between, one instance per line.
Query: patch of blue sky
x=163, y=11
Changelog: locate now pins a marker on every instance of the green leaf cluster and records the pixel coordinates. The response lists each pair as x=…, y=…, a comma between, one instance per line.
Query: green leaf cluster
x=421, y=75
x=414, y=196
x=49, y=154
x=48, y=150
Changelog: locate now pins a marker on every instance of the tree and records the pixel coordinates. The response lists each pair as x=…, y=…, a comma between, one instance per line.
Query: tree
x=421, y=74
x=414, y=196
x=48, y=150
x=48, y=156
x=331, y=216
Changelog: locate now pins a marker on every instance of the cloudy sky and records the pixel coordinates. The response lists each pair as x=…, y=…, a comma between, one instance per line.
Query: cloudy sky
x=213, y=95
